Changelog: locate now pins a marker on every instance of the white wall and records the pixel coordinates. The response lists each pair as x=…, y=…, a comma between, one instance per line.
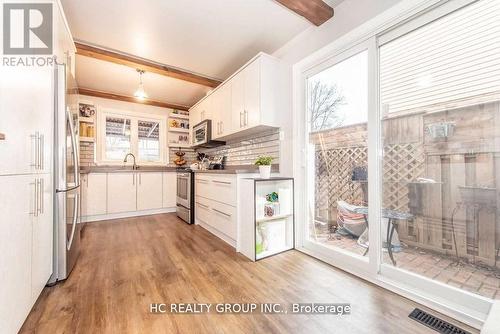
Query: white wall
x=348, y=15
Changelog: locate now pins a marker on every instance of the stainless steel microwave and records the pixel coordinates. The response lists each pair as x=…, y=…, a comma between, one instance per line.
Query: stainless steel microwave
x=202, y=135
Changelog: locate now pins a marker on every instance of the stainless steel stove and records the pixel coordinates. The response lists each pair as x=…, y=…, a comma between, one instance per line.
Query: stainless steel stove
x=185, y=194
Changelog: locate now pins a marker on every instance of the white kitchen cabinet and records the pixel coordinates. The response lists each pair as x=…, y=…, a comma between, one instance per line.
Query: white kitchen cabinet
x=221, y=112
x=122, y=192
x=215, y=204
x=26, y=120
x=15, y=250
x=149, y=191
x=248, y=102
x=94, y=194
x=26, y=229
x=169, y=190
x=42, y=255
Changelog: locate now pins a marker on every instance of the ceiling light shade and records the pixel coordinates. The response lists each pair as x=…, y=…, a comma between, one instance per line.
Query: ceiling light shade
x=140, y=93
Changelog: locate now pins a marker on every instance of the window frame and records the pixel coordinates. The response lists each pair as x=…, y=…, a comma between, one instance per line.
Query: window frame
x=134, y=117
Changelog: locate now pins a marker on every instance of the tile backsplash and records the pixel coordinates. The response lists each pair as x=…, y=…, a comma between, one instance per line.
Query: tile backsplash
x=87, y=154
x=244, y=151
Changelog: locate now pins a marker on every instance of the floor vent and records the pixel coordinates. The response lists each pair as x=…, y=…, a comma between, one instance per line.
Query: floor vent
x=437, y=324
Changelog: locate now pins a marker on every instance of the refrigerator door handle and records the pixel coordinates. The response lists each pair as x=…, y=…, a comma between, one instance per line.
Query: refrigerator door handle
x=75, y=148
x=75, y=221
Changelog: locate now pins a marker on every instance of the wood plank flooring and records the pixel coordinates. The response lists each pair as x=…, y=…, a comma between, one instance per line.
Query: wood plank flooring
x=129, y=263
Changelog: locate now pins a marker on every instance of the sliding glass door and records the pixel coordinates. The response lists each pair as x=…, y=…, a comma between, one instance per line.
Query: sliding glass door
x=337, y=155
x=440, y=105
x=411, y=115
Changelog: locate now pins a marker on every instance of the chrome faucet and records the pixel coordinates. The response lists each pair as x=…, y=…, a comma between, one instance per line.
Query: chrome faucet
x=134, y=166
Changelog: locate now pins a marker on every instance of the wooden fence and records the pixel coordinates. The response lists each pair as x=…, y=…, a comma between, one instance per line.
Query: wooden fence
x=469, y=156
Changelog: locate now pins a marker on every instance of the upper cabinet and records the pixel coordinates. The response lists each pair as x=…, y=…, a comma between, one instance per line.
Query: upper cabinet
x=247, y=102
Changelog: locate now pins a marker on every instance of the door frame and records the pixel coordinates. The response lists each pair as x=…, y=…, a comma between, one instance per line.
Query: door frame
x=471, y=309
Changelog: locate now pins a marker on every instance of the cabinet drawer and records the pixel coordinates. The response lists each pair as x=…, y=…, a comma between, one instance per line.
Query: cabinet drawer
x=202, y=210
x=219, y=188
x=202, y=187
x=224, y=217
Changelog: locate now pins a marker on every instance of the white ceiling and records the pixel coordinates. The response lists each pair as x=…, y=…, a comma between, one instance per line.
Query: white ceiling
x=209, y=37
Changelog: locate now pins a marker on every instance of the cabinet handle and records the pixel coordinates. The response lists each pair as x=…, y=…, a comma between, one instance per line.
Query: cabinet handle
x=140, y=178
x=202, y=181
x=202, y=205
x=42, y=152
x=133, y=179
x=241, y=116
x=34, y=153
x=223, y=182
x=222, y=213
x=221, y=127
x=35, y=198
x=246, y=118
x=40, y=194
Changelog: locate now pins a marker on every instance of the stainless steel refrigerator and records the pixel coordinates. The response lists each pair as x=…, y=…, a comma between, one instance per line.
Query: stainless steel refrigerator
x=66, y=175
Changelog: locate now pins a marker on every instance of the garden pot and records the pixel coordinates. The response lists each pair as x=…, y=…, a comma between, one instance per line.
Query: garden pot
x=265, y=172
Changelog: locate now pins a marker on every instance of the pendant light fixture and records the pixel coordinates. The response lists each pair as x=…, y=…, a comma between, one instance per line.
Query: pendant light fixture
x=140, y=93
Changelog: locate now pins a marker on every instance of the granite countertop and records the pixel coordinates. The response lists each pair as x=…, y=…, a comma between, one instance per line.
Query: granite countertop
x=121, y=169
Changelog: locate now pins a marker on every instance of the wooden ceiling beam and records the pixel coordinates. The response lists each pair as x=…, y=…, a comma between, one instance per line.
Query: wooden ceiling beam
x=112, y=96
x=316, y=11
x=143, y=64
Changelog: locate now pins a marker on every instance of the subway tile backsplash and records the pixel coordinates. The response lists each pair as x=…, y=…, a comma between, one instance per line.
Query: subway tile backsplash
x=245, y=151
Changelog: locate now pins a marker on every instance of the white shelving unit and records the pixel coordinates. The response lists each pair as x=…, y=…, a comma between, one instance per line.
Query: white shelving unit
x=184, y=130
x=266, y=224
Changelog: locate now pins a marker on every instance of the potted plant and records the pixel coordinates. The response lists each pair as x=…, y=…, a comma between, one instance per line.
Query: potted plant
x=264, y=163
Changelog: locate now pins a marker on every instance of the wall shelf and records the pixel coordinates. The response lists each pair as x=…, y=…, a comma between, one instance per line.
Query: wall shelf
x=178, y=116
x=86, y=119
x=87, y=139
x=184, y=130
x=174, y=145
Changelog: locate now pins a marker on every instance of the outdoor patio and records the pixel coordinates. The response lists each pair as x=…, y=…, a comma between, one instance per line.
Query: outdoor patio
x=479, y=279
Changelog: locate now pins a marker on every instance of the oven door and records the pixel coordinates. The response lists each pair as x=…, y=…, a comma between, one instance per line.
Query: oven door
x=184, y=189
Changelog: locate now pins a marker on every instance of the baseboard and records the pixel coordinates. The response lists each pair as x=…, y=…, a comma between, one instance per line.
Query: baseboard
x=217, y=233
x=126, y=214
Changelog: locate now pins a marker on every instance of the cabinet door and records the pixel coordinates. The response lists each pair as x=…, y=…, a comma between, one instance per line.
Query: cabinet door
x=43, y=231
x=237, y=101
x=252, y=110
x=216, y=102
x=225, y=113
x=122, y=192
x=169, y=190
x=26, y=109
x=205, y=108
x=16, y=203
x=149, y=191
x=94, y=190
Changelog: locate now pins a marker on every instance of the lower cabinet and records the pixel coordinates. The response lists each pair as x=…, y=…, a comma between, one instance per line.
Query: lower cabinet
x=26, y=244
x=215, y=204
x=117, y=193
x=122, y=192
x=149, y=191
x=94, y=194
x=169, y=190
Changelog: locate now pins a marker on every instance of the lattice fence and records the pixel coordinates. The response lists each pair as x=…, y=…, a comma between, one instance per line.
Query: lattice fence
x=403, y=163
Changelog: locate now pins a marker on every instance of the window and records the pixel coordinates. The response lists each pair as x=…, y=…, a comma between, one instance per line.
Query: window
x=338, y=94
x=149, y=141
x=126, y=132
x=117, y=138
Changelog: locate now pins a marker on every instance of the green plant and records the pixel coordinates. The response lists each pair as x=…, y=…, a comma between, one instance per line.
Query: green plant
x=263, y=161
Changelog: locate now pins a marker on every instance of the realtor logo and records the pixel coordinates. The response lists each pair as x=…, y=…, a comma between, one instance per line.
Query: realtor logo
x=27, y=29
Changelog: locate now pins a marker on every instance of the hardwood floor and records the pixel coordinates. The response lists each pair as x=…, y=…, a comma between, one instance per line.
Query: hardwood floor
x=129, y=263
